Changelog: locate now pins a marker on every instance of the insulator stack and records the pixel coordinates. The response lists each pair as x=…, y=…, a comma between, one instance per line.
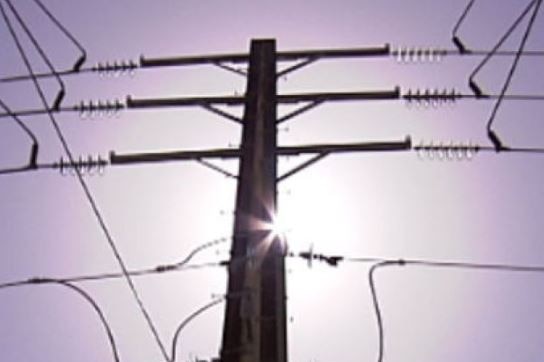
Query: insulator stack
x=116, y=68
x=447, y=151
x=99, y=108
x=87, y=166
x=431, y=97
x=418, y=55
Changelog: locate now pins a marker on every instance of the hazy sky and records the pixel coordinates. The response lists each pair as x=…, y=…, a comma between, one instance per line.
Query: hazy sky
x=484, y=210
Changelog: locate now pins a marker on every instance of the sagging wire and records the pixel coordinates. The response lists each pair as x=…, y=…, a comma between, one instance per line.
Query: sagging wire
x=491, y=134
x=32, y=163
x=62, y=92
x=179, y=266
x=186, y=321
x=454, y=38
x=83, y=184
x=472, y=84
x=79, y=62
x=377, y=263
x=86, y=296
x=377, y=310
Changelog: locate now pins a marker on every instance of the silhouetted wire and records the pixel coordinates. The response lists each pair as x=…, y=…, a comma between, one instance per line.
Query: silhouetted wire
x=455, y=38
x=79, y=62
x=43, y=55
x=497, y=46
x=86, y=189
x=93, y=69
x=514, y=64
x=110, y=275
x=200, y=248
x=376, y=303
x=34, y=148
x=140, y=272
x=186, y=321
x=457, y=97
x=85, y=295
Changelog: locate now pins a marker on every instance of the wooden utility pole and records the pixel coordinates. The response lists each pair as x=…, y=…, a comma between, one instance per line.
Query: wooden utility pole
x=255, y=316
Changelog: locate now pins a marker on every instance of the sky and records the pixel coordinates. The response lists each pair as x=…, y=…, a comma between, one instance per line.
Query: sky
x=486, y=209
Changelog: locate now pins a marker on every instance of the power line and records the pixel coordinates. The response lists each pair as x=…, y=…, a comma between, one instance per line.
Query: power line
x=34, y=148
x=506, y=85
x=79, y=62
x=312, y=100
x=186, y=321
x=82, y=293
x=456, y=40
x=306, y=56
x=83, y=184
x=43, y=55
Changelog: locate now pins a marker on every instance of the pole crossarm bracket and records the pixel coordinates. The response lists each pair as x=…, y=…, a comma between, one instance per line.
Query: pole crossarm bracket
x=222, y=113
x=230, y=68
x=297, y=66
x=216, y=168
x=299, y=111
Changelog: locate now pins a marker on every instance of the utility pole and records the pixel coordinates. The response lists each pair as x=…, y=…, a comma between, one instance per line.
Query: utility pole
x=255, y=316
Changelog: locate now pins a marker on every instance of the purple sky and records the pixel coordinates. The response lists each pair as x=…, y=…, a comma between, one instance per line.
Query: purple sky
x=487, y=210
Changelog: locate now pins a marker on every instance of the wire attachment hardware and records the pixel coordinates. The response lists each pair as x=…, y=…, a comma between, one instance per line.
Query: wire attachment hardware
x=116, y=68
x=418, y=55
x=87, y=166
x=99, y=108
x=447, y=151
x=431, y=97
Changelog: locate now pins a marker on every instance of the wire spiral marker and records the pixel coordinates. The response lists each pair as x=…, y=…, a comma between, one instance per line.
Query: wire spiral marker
x=89, y=166
x=443, y=151
x=431, y=97
x=418, y=55
x=99, y=108
x=116, y=68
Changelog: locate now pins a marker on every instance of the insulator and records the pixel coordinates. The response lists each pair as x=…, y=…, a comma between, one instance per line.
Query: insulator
x=431, y=97
x=86, y=166
x=115, y=68
x=418, y=55
x=99, y=108
x=447, y=151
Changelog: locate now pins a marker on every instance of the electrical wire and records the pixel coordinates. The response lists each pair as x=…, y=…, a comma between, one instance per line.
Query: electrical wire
x=414, y=97
x=472, y=83
x=513, y=68
x=182, y=265
x=34, y=148
x=86, y=189
x=86, y=296
x=79, y=62
x=61, y=93
x=377, y=310
x=456, y=40
x=186, y=321
x=93, y=69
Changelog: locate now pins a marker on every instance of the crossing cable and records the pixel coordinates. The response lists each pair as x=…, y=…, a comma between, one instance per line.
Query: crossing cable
x=456, y=40
x=32, y=163
x=307, y=57
x=378, y=263
x=310, y=100
x=62, y=92
x=186, y=321
x=178, y=266
x=84, y=186
x=88, y=299
x=492, y=136
x=472, y=84
x=79, y=62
